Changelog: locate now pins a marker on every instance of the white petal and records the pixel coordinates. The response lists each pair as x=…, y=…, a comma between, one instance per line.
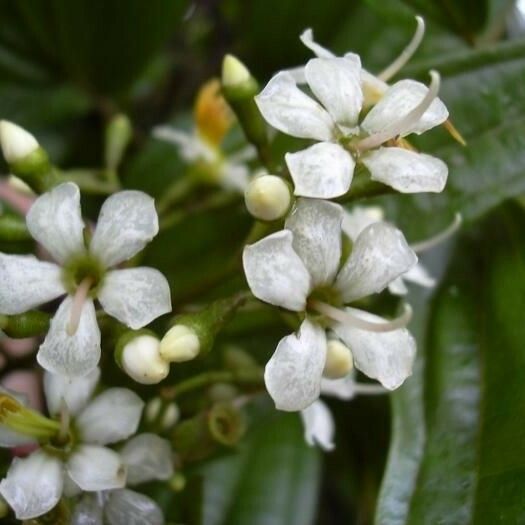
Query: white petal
x=322, y=171
x=356, y=220
x=316, y=228
x=387, y=356
x=288, y=109
x=112, y=416
x=95, y=468
x=191, y=147
x=55, y=221
x=319, y=427
x=71, y=355
x=26, y=282
x=397, y=286
x=406, y=171
x=135, y=296
x=343, y=388
x=75, y=392
x=275, y=273
x=379, y=255
x=293, y=374
x=127, y=507
x=336, y=82
x=9, y=438
x=235, y=176
x=147, y=458
x=33, y=485
x=126, y=223
x=88, y=511
x=418, y=274
x=397, y=102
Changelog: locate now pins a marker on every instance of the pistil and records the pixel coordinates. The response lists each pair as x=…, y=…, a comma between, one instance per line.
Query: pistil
x=78, y=302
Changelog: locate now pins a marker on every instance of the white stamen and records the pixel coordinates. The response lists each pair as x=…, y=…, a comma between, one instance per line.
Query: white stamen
x=406, y=54
x=440, y=237
x=78, y=302
x=342, y=316
x=369, y=389
x=397, y=128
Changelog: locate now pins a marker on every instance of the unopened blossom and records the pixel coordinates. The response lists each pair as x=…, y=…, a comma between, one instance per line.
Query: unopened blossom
x=343, y=137
x=76, y=458
x=147, y=457
x=134, y=296
x=298, y=269
x=203, y=146
x=357, y=220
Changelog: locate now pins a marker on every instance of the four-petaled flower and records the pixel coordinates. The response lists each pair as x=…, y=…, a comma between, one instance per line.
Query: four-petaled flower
x=298, y=269
x=134, y=296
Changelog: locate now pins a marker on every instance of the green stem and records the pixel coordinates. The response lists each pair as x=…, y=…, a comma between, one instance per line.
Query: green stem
x=175, y=193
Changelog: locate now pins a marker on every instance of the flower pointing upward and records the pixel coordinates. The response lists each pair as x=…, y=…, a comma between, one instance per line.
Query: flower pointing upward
x=134, y=296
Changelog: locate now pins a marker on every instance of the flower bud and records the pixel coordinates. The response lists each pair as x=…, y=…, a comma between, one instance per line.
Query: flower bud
x=181, y=343
x=234, y=72
x=268, y=197
x=16, y=142
x=170, y=417
x=118, y=135
x=152, y=410
x=139, y=357
x=339, y=361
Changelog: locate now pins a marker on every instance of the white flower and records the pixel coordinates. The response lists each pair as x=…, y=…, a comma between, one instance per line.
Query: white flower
x=298, y=269
x=134, y=296
x=34, y=485
x=325, y=170
x=203, y=145
x=147, y=458
x=360, y=218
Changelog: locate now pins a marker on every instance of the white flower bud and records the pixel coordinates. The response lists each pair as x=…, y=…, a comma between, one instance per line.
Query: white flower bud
x=267, y=197
x=170, y=417
x=16, y=142
x=180, y=343
x=152, y=410
x=141, y=360
x=339, y=361
x=234, y=72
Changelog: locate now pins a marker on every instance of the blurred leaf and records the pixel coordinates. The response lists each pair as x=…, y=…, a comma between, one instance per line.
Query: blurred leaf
x=485, y=95
x=272, y=479
x=465, y=462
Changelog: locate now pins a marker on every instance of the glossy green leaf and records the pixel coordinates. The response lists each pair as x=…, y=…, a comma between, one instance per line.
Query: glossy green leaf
x=457, y=455
x=272, y=479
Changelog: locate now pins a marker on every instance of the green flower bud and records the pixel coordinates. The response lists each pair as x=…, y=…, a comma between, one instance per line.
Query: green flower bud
x=118, y=136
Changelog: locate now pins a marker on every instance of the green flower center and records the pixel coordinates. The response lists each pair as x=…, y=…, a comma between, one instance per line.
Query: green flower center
x=77, y=269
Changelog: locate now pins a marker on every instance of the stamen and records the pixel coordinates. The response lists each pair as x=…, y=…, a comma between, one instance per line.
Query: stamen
x=369, y=389
x=397, y=128
x=454, y=133
x=78, y=302
x=406, y=54
x=440, y=237
x=342, y=316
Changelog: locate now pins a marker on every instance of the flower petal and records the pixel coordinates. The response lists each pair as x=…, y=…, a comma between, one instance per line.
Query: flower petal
x=75, y=392
x=406, y=171
x=127, y=507
x=356, y=220
x=336, y=82
x=26, y=282
x=397, y=286
x=322, y=171
x=147, y=458
x=71, y=355
x=386, y=356
x=316, y=228
x=275, y=273
x=293, y=374
x=343, y=388
x=88, y=511
x=126, y=223
x=379, y=255
x=418, y=274
x=55, y=221
x=397, y=102
x=319, y=427
x=135, y=296
x=33, y=485
x=112, y=416
x=288, y=109
x=95, y=468
x=9, y=438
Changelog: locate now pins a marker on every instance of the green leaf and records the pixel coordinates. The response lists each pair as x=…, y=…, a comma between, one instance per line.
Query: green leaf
x=458, y=453
x=273, y=478
x=484, y=93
